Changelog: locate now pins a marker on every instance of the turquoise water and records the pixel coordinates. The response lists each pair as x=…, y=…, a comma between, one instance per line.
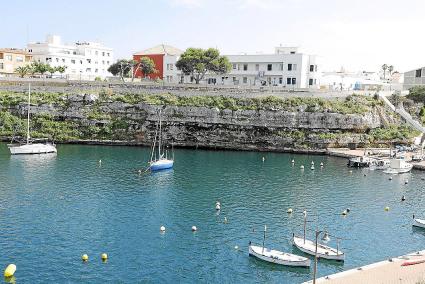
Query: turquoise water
x=53, y=209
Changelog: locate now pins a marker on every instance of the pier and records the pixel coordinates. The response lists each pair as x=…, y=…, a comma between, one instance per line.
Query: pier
x=387, y=271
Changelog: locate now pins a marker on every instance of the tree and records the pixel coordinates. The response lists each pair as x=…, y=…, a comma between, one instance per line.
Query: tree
x=121, y=68
x=197, y=62
x=384, y=68
x=147, y=66
x=41, y=68
x=61, y=69
x=390, y=69
x=23, y=71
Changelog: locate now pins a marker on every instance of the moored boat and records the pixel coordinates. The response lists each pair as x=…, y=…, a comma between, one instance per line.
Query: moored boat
x=160, y=162
x=323, y=251
x=360, y=162
x=418, y=222
x=398, y=166
x=29, y=146
x=278, y=257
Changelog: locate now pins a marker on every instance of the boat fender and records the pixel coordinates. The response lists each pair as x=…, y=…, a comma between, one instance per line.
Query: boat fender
x=10, y=270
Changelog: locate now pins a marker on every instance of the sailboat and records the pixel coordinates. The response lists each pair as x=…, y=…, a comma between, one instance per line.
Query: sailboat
x=160, y=162
x=29, y=147
x=275, y=256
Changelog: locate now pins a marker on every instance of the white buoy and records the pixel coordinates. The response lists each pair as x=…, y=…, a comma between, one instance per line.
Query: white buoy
x=321, y=165
x=312, y=167
x=100, y=162
x=289, y=211
x=236, y=247
x=302, y=167
x=264, y=159
x=344, y=213
x=293, y=161
x=406, y=181
x=390, y=178
x=162, y=229
x=194, y=229
x=217, y=205
x=225, y=220
x=312, y=162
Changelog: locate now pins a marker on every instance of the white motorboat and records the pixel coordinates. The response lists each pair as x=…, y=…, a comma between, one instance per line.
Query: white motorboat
x=323, y=251
x=398, y=166
x=418, y=222
x=30, y=147
x=278, y=257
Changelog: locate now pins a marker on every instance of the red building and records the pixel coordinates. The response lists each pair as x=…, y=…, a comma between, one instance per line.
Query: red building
x=163, y=56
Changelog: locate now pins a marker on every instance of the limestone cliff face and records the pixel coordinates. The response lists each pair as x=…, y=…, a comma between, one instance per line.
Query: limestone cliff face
x=276, y=130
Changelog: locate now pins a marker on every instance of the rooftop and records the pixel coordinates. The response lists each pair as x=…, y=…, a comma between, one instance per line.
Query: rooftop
x=14, y=50
x=160, y=49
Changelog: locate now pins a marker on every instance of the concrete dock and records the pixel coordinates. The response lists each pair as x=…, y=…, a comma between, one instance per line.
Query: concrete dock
x=389, y=271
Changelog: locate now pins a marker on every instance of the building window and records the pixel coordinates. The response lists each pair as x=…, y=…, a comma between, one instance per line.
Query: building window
x=96, y=70
x=19, y=59
x=108, y=53
x=57, y=59
x=103, y=53
x=74, y=52
x=88, y=70
x=294, y=67
x=81, y=61
x=1, y=66
x=288, y=81
x=245, y=67
x=294, y=81
x=48, y=59
x=89, y=61
x=281, y=66
x=289, y=67
x=418, y=73
x=96, y=52
x=72, y=61
x=311, y=68
x=257, y=67
x=280, y=80
x=103, y=62
x=63, y=60
x=245, y=80
x=234, y=66
x=310, y=82
x=269, y=67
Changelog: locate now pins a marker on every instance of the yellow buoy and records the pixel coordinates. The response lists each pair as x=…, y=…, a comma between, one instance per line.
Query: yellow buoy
x=104, y=256
x=387, y=208
x=289, y=211
x=85, y=257
x=10, y=270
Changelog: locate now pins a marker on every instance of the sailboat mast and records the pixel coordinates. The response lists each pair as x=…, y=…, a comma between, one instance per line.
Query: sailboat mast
x=305, y=223
x=160, y=136
x=28, y=114
x=264, y=237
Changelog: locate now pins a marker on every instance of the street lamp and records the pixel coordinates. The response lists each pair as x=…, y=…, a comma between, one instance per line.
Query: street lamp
x=327, y=238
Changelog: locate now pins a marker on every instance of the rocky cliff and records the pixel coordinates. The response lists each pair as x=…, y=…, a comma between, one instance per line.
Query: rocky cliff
x=208, y=122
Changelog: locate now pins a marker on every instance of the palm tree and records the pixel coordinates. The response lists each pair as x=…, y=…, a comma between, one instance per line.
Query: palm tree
x=384, y=68
x=22, y=71
x=390, y=69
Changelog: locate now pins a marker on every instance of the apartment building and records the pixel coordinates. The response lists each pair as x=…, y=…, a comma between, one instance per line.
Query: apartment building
x=12, y=58
x=286, y=68
x=414, y=78
x=84, y=60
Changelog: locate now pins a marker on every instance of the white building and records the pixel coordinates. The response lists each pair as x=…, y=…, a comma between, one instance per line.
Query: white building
x=414, y=78
x=84, y=60
x=286, y=68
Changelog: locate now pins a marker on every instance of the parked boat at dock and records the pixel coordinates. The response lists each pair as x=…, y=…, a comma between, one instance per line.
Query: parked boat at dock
x=380, y=164
x=323, y=251
x=398, y=166
x=361, y=162
x=419, y=222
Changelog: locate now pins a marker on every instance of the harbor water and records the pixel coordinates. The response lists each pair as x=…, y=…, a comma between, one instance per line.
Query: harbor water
x=55, y=208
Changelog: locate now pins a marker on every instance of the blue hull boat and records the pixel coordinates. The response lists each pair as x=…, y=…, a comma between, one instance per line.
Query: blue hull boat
x=163, y=164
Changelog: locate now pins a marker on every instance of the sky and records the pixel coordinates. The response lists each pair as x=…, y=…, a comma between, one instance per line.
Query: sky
x=355, y=34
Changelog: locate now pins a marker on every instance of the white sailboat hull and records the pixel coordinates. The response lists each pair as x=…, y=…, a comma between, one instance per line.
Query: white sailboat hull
x=278, y=257
x=309, y=247
x=35, y=148
x=419, y=223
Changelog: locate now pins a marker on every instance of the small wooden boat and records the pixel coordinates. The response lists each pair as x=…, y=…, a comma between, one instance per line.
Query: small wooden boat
x=278, y=257
x=398, y=166
x=418, y=222
x=323, y=251
x=360, y=162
